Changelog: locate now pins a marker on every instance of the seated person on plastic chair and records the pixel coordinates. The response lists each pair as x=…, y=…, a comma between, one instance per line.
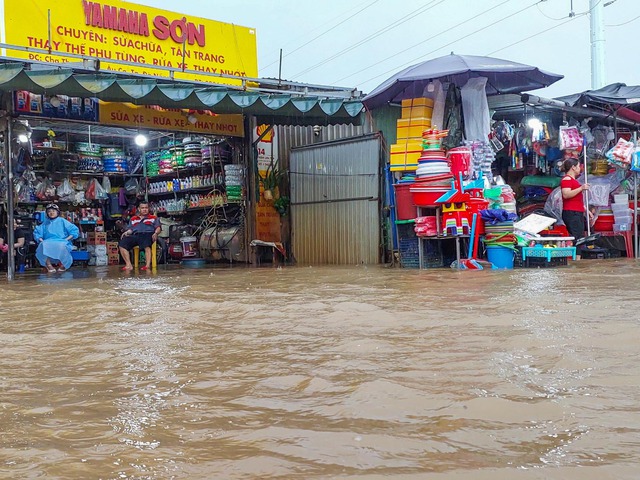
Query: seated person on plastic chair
x=143, y=229
x=54, y=237
x=20, y=246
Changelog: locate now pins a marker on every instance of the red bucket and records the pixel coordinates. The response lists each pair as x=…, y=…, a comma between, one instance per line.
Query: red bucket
x=405, y=208
x=459, y=160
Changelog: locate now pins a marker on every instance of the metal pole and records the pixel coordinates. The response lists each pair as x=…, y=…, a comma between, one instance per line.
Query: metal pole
x=144, y=175
x=635, y=200
x=11, y=262
x=280, y=69
x=586, y=197
x=596, y=9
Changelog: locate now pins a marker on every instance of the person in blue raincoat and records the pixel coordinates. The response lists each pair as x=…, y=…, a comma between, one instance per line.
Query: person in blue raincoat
x=54, y=237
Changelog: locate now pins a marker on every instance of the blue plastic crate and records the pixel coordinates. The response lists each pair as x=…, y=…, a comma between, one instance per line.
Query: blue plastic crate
x=80, y=255
x=548, y=253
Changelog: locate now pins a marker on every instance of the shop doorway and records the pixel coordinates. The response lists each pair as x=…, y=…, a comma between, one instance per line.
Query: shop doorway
x=335, y=202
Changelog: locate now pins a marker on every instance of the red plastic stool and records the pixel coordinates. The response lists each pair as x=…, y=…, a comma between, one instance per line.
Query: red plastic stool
x=628, y=240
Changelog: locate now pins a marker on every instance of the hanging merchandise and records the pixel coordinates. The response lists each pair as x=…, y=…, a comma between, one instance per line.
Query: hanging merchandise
x=570, y=138
x=620, y=154
x=437, y=117
x=475, y=108
x=453, y=121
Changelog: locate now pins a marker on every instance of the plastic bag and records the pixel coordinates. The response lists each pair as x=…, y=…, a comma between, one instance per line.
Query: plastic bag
x=570, y=138
x=65, y=191
x=621, y=153
x=100, y=192
x=475, y=109
x=90, y=193
x=131, y=186
x=553, y=205
x=106, y=184
x=45, y=190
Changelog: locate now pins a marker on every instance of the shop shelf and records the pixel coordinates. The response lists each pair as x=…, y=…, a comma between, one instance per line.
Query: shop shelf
x=219, y=187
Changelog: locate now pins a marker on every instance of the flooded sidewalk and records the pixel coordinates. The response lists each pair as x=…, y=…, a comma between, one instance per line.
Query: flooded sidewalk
x=322, y=372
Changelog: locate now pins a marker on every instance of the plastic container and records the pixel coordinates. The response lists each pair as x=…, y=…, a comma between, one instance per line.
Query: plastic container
x=623, y=219
x=500, y=257
x=621, y=198
x=620, y=208
x=622, y=227
x=405, y=208
x=604, y=223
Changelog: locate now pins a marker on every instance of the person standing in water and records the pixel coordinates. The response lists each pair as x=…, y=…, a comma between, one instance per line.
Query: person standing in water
x=573, y=209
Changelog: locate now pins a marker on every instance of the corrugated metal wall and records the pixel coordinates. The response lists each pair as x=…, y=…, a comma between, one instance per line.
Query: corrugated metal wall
x=335, y=202
x=291, y=136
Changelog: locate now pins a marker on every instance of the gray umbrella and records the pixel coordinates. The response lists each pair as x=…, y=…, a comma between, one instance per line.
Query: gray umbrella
x=503, y=76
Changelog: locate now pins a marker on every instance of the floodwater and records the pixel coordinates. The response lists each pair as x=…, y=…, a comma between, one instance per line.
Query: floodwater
x=322, y=372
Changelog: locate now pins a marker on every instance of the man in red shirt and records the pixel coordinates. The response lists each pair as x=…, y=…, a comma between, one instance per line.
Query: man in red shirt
x=143, y=229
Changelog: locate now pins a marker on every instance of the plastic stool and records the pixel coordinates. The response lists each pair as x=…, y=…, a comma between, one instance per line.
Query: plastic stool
x=628, y=240
x=136, y=256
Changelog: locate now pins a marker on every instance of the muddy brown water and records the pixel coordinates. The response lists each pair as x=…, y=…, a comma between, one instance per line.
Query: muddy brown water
x=322, y=372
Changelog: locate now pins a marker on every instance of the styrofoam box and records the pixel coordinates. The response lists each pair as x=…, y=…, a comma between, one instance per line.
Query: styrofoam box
x=621, y=198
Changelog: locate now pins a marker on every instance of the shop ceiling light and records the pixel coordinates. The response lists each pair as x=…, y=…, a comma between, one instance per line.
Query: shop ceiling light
x=141, y=140
x=23, y=138
x=534, y=123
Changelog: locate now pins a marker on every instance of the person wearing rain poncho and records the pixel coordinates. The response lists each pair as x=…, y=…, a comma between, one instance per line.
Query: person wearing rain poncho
x=54, y=237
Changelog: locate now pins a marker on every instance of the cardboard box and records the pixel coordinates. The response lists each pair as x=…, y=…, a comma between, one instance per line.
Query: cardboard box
x=112, y=247
x=114, y=261
x=96, y=238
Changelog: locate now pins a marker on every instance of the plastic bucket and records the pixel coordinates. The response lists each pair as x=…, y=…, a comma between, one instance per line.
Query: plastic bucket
x=500, y=257
x=405, y=209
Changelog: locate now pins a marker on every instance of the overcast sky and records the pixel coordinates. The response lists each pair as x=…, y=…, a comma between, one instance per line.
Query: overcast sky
x=360, y=43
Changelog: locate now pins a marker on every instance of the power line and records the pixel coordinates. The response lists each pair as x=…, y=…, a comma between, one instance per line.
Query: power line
x=475, y=17
x=318, y=27
x=328, y=30
x=549, y=17
x=539, y=33
x=393, y=25
x=625, y=23
x=454, y=41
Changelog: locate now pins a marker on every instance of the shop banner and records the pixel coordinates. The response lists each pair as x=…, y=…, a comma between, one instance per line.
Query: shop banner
x=267, y=147
x=124, y=31
x=156, y=118
x=267, y=217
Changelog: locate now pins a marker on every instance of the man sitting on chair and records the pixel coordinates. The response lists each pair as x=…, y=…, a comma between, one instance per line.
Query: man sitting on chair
x=142, y=231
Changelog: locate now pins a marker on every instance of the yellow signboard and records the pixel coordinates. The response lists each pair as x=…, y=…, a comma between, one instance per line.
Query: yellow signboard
x=126, y=32
x=156, y=118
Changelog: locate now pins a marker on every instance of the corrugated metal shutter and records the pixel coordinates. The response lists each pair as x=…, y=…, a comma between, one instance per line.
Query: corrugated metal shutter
x=335, y=202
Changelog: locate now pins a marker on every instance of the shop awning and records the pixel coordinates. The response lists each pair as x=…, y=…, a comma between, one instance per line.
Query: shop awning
x=614, y=94
x=275, y=108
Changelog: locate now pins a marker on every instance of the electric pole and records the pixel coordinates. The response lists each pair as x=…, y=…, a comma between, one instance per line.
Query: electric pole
x=596, y=13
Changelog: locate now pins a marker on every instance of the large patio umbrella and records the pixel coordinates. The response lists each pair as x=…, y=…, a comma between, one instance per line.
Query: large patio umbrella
x=503, y=76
